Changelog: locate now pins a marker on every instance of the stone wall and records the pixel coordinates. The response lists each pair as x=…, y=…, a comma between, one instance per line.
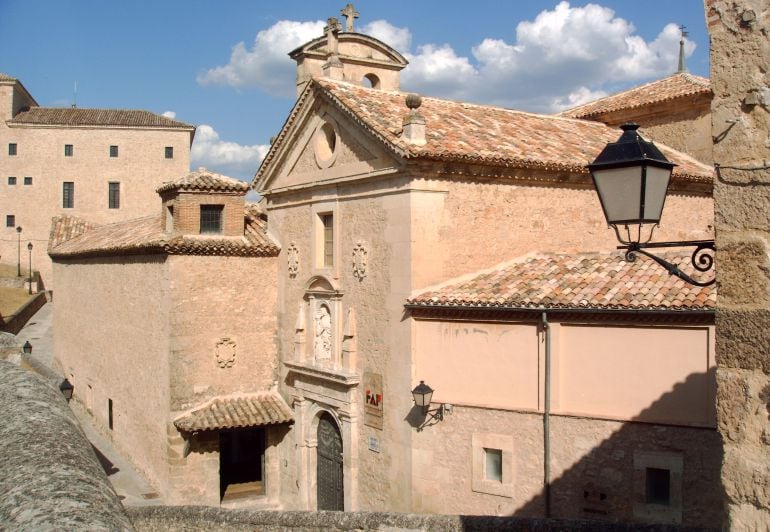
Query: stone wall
x=740, y=62
x=160, y=519
x=463, y=226
x=50, y=478
x=114, y=348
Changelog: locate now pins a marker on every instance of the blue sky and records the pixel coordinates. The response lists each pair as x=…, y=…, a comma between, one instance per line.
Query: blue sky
x=222, y=66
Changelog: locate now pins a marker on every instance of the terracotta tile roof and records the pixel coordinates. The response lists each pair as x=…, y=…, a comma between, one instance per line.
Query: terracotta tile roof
x=69, y=117
x=248, y=410
x=145, y=236
x=679, y=85
x=203, y=180
x=580, y=281
x=66, y=227
x=464, y=132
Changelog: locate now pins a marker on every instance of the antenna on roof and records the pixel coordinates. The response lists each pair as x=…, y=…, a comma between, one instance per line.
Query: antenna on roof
x=75, y=96
x=683, y=34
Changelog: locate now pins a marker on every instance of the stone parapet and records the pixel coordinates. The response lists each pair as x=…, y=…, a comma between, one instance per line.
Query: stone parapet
x=50, y=478
x=192, y=518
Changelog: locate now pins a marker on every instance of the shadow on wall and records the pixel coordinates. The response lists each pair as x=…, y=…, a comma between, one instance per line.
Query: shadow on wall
x=673, y=471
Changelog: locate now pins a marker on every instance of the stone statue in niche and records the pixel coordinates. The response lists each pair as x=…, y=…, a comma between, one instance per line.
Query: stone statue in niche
x=323, y=334
x=359, y=260
x=292, y=257
x=225, y=353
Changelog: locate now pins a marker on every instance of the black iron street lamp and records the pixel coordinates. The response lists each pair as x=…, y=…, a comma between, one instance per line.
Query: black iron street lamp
x=29, y=248
x=632, y=177
x=422, y=395
x=66, y=388
x=18, y=257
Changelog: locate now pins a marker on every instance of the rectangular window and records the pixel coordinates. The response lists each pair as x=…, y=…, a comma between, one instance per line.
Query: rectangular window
x=10, y=220
x=114, y=195
x=11, y=180
x=109, y=412
x=169, y=218
x=169, y=152
x=328, y=224
x=657, y=486
x=113, y=151
x=68, y=150
x=12, y=148
x=493, y=459
x=211, y=219
x=27, y=181
x=68, y=195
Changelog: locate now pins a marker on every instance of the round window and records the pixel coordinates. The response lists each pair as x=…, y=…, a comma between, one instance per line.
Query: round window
x=325, y=145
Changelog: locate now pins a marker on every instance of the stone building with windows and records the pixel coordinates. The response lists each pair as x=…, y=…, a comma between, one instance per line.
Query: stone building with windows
x=100, y=164
x=166, y=326
x=384, y=201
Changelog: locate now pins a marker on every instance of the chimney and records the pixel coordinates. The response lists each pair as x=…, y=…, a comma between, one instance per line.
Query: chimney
x=414, y=123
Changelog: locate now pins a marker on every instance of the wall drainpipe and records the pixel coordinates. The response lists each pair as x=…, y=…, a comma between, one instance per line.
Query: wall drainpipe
x=546, y=417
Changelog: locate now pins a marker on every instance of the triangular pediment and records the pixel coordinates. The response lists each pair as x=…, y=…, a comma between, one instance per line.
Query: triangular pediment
x=322, y=145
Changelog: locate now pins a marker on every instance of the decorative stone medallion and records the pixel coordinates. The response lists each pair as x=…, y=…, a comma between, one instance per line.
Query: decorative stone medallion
x=359, y=260
x=292, y=257
x=225, y=353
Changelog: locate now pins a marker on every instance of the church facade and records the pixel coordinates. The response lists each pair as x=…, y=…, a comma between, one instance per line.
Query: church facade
x=379, y=197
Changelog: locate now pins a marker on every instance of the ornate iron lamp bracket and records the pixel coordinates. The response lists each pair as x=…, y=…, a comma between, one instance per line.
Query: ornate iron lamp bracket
x=433, y=417
x=702, y=258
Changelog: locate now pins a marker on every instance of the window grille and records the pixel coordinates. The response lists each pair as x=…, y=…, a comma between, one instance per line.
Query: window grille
x=68, y=195
x=211, y=219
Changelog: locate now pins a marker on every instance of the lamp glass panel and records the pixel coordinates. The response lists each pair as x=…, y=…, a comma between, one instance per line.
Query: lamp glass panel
x=655, y=193
x=620, y=192
x=423, y=399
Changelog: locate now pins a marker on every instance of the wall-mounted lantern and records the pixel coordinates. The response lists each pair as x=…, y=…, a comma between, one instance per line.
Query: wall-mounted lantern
x=26, y=348
x=66, y=389
x=631, y=177
x=422, y=395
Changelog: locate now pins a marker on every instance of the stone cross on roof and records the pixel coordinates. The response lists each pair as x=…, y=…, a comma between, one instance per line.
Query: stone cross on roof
x=350, y=15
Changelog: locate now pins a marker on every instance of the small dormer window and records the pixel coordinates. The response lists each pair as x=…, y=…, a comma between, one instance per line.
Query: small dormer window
x=211, y=219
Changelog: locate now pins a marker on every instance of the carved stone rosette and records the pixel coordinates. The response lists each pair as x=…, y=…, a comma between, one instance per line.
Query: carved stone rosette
x=225, y=353
x=292, y=258
x=359, y=260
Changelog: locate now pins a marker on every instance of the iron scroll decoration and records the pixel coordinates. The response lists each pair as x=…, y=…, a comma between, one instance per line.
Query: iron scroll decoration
x=702, y=258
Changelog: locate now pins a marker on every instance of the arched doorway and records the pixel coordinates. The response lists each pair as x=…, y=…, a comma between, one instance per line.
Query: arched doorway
x=331, y=495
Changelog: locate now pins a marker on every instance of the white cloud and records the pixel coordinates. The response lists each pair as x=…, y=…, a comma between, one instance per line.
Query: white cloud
x=561, y=58
x=228, y=158
x=437, y=70
x=577, y=97
x=398, y=38
x=169, y=114
x=266, y=65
